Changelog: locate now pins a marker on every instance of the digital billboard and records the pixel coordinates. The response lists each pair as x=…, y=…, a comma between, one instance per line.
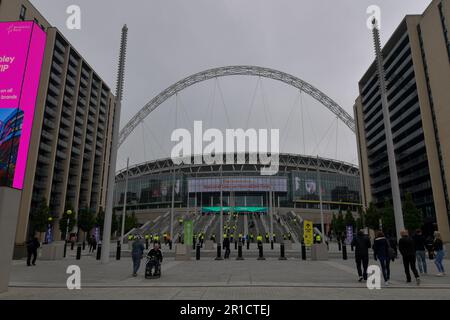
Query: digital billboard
x=237, y=184
x=22, y=46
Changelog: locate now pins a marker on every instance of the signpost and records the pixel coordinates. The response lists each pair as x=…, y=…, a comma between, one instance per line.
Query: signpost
x=308, y=233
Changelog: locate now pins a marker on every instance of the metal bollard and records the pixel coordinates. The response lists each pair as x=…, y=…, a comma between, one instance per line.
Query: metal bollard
x=72, y=245
x=271, y=245
x=344, y=252
x=282, y=256
x=339, y=245
x=170, y=245
x=79, y=252
x=65, y=248
x=118, y=250
x=248, y=245
x=146, y=244
x=219, y=252
x=235, y=245
x=197, y=252
x=239, y=257
x=84, y=245
x=99, y=251
x=193, y=244
x=303, y=251
x=261, y=254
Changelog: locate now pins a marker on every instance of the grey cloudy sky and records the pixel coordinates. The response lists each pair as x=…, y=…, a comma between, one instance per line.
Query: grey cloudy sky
x=324, y=42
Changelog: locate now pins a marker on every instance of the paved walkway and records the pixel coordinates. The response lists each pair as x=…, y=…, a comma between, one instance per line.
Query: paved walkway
x=210, y=279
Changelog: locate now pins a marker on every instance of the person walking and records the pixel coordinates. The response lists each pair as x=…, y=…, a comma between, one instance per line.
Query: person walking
x=408, y=252
x=381, y=253
x=439, y=253
x=32, y=247
x=92, y=244
x=361, y=243
x=137, y=251
x=419, y=245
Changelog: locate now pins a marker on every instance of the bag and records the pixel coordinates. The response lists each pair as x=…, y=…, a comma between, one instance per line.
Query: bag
x=392, y=254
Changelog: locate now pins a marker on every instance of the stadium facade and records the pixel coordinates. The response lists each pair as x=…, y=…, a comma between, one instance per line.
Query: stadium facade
x=198, y=187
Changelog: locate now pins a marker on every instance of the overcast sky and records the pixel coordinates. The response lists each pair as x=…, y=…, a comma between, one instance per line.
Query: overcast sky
x=323, y=42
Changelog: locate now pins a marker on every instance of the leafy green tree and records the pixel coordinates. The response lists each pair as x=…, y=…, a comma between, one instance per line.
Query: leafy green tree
x=130, y=222
x=100, y=220
x=388, y=218
x=360, y=221
x=334, y=223
x=86, y=221
x=413, y=217
x=372, y=217
x=63, y=221
x=349, y=220
x=39, y=218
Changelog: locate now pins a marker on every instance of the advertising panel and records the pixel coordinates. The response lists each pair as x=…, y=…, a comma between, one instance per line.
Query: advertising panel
x=21, y=54
x=238, y=184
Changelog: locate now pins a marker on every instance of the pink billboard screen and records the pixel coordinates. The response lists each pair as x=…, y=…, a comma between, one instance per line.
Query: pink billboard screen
x=22, y=46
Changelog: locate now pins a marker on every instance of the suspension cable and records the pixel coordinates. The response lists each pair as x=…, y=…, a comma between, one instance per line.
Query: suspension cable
x=223, y=103
x=326, y=134
x=252, y=103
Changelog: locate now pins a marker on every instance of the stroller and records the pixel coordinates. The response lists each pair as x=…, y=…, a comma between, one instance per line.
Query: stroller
x=152, y=262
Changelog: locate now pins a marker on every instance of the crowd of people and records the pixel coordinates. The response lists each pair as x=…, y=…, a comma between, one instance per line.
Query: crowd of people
x=386, y=249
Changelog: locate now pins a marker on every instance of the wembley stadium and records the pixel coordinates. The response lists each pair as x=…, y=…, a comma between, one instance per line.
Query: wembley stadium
x=195, y=191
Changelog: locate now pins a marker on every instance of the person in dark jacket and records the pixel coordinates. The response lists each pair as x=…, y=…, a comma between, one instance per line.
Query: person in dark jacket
x=381, y=253
x=137, y=251
x=439, y=252
x=408, y=252
x=361, y=243
x=32, y=247
x=429, y=245
x=419, y=245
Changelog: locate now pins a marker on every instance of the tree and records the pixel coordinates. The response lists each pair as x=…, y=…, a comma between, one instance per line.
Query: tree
x=360, y=222
x=334, y=223
x=63, y=221
x=100, y=220
x=372, y=217
x=349, y=220
x=388, y=218
x=413, y=217
x=340, y=223
x=130, y=222
x=86, y=220
x=39, y=218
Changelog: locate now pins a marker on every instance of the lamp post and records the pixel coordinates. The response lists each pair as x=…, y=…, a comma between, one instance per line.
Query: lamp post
x=69, y=212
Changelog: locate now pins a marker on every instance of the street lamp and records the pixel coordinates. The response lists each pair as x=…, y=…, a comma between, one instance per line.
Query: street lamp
x=69, y=212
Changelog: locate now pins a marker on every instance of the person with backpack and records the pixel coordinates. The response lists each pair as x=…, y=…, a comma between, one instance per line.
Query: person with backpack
x=32, y=247
x=382, y=254
x=361, y=243
x=408, y=252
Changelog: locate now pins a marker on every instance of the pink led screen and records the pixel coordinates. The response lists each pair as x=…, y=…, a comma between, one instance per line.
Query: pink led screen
x=22, y=46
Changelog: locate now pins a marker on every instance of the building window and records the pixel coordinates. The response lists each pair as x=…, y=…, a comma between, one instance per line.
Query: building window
x=23, y=11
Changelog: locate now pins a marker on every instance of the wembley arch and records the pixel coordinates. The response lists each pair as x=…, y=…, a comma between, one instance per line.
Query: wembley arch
x=291, y=80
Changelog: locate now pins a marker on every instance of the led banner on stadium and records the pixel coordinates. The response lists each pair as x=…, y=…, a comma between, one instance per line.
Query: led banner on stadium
x=238, y=184
x=22, y=46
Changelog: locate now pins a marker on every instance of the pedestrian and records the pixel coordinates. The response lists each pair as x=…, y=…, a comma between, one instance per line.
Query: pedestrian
x=408, y=252
x=137, y=252
x=32, y=247
x=429, y=245
x=439, y=253
x=381, y=253
x=419, y=245
x=361, y=243
x=92, y=244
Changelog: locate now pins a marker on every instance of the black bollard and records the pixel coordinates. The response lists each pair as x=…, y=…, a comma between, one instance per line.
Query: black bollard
x=248, y=245
x=71, y=245
x=197, y=252
x=239, y=257
x=282, y=256
x=261, y=254
x=339, y=245
x=79, y=252
x=235, y=245
x=303, y=251
x=170, y=245
x=118, y=250
x=219, y=252
x=99, y=251
x=65, y=249
x=146, y=244
x=193, y=243
x=344, y=252
x=84, y=245
x=271, y=245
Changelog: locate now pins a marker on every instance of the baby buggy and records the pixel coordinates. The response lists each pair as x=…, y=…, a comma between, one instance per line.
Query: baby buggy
x=152, y=263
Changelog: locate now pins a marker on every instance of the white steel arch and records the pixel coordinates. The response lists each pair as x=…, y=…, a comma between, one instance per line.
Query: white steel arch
x=236, y=71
